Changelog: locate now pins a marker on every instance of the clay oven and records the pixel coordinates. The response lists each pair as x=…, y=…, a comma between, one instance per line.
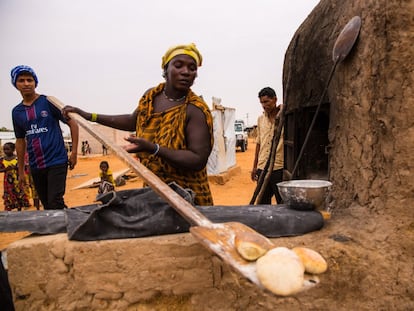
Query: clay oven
x=363, y=138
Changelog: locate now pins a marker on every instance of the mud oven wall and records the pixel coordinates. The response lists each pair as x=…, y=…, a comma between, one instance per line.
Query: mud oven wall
x=170, y=272
x=367, y=149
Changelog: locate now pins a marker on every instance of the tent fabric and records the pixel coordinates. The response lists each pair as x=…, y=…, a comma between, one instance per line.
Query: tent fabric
x=223, y=154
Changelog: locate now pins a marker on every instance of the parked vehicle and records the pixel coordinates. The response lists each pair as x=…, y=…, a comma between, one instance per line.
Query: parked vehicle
x=241, y=135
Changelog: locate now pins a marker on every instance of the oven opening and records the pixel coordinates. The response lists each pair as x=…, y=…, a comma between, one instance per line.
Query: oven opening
x=314, y=163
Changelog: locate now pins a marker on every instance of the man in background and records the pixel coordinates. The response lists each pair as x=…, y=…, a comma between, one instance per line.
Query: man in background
x=266, y=124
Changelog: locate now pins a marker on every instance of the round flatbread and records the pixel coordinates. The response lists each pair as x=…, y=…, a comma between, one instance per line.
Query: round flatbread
x=281, y=271
x=313, y=261
x=251, y=246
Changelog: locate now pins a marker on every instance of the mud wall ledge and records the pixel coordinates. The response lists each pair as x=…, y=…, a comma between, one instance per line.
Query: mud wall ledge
x=53, y=273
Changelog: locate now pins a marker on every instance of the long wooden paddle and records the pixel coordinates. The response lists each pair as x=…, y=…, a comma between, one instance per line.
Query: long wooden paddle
x=217, y=237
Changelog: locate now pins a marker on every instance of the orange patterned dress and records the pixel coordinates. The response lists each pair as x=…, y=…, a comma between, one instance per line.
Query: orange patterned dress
x=168, y=130
x=14, y=197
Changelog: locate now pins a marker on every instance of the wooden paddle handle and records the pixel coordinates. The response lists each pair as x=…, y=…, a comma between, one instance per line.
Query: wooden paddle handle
x=183, y=207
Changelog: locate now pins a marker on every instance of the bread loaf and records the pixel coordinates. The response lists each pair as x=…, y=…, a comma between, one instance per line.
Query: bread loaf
x=281, y=271
x=251, y=245
x=313, y=261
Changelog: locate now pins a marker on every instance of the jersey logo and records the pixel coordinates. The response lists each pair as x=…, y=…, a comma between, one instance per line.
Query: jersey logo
x=35, y=130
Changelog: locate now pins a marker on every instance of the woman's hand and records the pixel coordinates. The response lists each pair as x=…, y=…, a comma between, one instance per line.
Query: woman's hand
x=70, y=109
x=138, y=144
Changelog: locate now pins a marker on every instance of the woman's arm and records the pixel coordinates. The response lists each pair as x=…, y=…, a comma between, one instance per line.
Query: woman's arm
x=198, y=139
x=125, y=122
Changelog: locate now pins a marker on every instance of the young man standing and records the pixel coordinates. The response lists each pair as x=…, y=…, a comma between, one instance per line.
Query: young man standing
x=265, y=130
x=37, y=129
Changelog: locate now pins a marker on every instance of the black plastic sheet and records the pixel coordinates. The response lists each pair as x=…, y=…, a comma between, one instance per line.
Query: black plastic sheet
x=142, y=212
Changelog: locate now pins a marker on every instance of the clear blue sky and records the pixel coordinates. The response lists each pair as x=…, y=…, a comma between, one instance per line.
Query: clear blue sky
x=102, y=55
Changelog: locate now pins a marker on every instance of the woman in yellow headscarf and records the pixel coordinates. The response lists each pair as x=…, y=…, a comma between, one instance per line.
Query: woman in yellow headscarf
x=174, y=127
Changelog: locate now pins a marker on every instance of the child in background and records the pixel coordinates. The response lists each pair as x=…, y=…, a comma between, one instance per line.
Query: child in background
x=107, y=182
x=14, y=197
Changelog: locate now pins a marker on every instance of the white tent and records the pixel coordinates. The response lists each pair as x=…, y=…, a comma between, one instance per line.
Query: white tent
x=223, y=155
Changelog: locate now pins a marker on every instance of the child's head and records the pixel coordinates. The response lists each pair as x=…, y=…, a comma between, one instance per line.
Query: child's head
x=104, y=166
x=9, y=148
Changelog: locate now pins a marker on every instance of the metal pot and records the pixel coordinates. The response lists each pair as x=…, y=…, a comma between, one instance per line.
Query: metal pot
x=304, y=194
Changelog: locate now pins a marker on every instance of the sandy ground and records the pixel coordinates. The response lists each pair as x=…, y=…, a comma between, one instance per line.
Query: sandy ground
x=236, y=191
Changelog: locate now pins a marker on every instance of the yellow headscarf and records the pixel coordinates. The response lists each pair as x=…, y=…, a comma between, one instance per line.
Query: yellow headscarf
x=187, y=49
